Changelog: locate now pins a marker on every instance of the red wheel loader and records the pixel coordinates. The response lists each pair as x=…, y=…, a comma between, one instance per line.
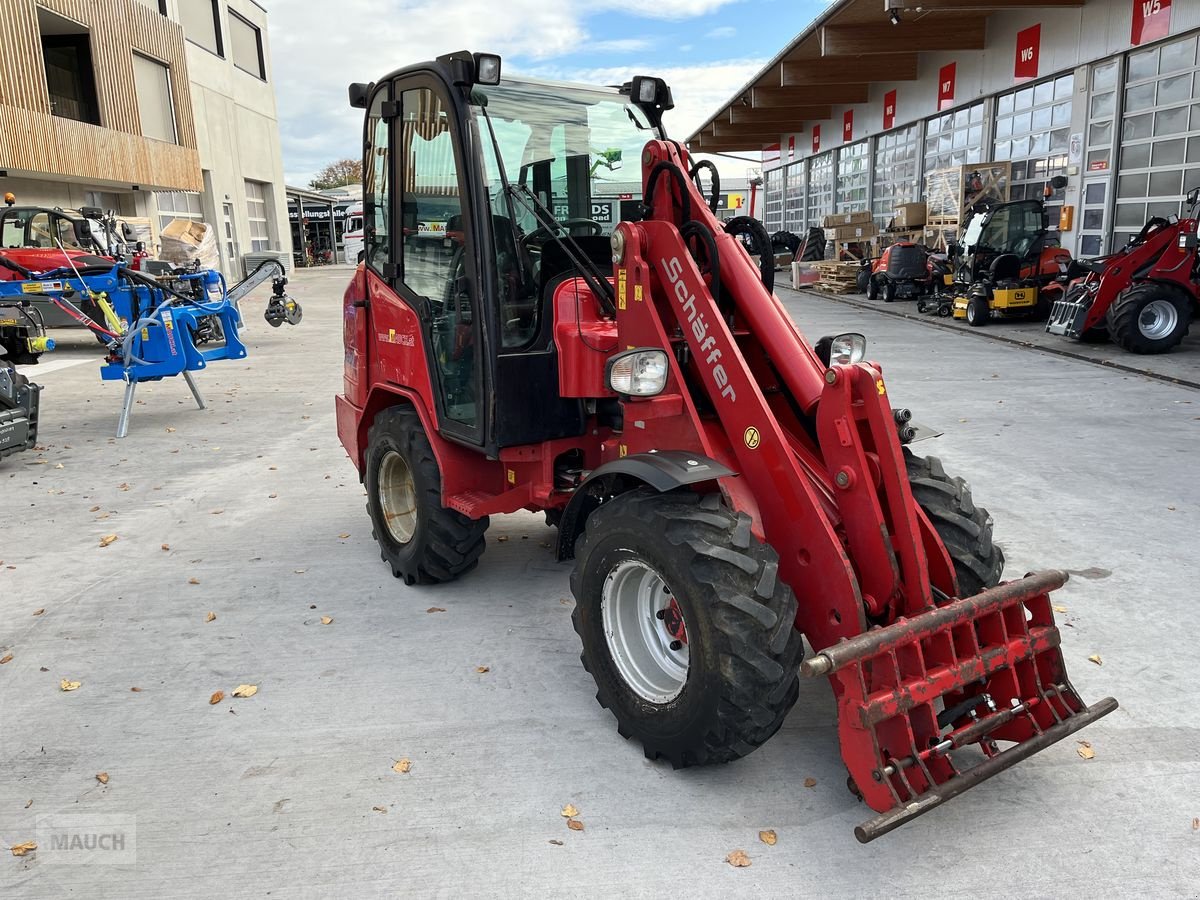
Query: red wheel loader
x=723, y=486
x=1144, y=296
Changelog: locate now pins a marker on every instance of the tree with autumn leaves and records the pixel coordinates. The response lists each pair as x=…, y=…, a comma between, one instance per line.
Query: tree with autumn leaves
x=338, y=174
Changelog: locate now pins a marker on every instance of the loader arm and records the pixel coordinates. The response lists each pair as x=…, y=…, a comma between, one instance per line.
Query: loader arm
x=917, y=673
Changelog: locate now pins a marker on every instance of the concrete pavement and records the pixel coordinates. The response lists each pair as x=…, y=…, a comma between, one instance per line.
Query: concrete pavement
x=292, y=792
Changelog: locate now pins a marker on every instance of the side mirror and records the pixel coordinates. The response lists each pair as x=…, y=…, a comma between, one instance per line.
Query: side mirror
x=128, y=233
x=359, y=94
x=842, y=349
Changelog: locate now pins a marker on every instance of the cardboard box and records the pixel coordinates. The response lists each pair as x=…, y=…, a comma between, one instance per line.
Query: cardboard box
x=842, y=219
x=852, y=232
x=910, y=215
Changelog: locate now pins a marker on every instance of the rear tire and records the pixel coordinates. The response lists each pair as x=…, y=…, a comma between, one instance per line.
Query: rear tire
x=965, y=529
x=730, y=685
x=978, y=312
x=422, y=541
x=1150, y=318
x=889, y=291
x=862, y=279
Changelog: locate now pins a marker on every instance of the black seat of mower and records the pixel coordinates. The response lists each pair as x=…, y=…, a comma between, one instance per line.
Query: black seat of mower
x=1005, y=267
x=1082, y=266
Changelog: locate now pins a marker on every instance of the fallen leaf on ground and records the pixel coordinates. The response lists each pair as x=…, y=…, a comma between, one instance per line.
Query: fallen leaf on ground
x=434, y=609
x=210, y=617
x=65, y=685
x=216, y=512
x=102, y=777
x=768, y=837
x=193, y=580
x=344, y=535
x=574, y=824
x=22, y=849
x=136, y=690
x=379, y=809
x=502, y=538
x=326, y=620
x=94, y=509
x=482, y=669
x=29, y=804
x=299, y=571
x=556, y=843
x=61, y=466
x=7, y=658
x=38, y=612
x=272, y=496
x=569, y=811
x=738, y=859
x=1086, y=752
x=245, y=690
x=1195, y=822
x=1095, y=657
x=107, y=539
x=166, y=546
x=123, y=486
x=1060, y=609
x=402, y=766
x=810, y=782
x=216, y=698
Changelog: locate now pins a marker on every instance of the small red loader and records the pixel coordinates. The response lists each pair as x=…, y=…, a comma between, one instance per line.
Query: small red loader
x=723, y=487
x=1143, y=297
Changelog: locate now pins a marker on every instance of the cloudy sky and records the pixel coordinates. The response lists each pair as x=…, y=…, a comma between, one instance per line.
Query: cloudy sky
x=706, y=49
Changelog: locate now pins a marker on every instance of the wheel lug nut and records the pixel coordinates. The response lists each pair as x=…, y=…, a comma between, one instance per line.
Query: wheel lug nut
x=661, y=614
x=676, y=645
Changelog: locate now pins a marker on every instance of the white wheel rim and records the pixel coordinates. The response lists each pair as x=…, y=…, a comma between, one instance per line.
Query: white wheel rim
x=397, y=497
x=650, y=653
x=1158, y=319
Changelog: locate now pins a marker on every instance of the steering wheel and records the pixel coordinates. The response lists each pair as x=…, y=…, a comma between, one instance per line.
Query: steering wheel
x=547, y=233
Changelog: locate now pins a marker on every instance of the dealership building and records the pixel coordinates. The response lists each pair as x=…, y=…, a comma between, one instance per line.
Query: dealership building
x=855, y=111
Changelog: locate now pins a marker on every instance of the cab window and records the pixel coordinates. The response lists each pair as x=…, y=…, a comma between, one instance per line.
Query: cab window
x=12, y=231
x=376, y=168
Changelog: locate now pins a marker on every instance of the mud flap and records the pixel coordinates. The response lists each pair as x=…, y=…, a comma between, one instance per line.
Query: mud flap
x=977, y=671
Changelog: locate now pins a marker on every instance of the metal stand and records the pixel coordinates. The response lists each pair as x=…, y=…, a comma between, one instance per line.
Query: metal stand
x=127, y=407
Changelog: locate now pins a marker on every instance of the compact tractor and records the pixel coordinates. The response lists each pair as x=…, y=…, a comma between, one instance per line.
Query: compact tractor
x=1011, y=263
x=723, y=486
x=1144, y=296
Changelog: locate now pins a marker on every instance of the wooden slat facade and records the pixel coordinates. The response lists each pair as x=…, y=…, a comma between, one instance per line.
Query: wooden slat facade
x=34, y=141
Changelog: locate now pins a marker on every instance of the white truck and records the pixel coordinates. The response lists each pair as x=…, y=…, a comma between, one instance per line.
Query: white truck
x=352, y=237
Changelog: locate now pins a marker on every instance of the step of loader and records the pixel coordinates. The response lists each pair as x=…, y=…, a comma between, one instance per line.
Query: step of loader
x=974, y=671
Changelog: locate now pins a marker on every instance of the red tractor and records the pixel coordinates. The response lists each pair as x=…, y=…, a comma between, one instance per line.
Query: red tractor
x=1144, y=296
x=907, y=271
x=723, y=486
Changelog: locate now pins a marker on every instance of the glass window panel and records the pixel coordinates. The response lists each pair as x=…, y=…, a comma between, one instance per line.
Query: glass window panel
x=1005, y=105
x=1095, y=156
x=974, y=135
x=1131, y=215
x=1095, y=193
x=1018, y=171
x=1089, y=245
x=1131, y=186
x=1043, y=93
x=1191, y=180
x=1178, y=55
x=1134, y=127
x=1143, y=64
x=1104, y=76
x=1100, y=133
x=1193, y=149
x=1196, y=118
x=1166, y=184
x=977, y=113
x=1003, y=127
x=1063, y=86
x=1171, y=121
x=1024, y=99
x=933, y=126
x=1139, y=98
x=1042, y=116
x=1135, y=156
x=960, y=139
x=1168, y=153
x=1022, y=123
x=1103, y=105
x=1162, y=209
x=1062, y=114
x=1002, y=150
x=1093, y=219
x=1020, y=148
x=1175, y=90
x=1059, y=140
x=1039, y=143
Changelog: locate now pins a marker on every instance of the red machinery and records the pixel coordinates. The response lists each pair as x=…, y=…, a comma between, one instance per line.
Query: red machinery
x=907, y=270
x=723, y=486
x=1144, y=296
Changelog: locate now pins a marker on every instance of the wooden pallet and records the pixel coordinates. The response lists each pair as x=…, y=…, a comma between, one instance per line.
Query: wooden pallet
x=835, y=287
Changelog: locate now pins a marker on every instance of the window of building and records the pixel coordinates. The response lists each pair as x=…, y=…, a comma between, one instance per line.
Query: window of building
x=897, y=155
x=70, y=77
x=854, y=163
x=793, y=201
x=954, y=138
x=201, y=21
x=258, y=212
x=820, y=189
x=246, y=41
x=773, y=185
x=156, y=109
x=1159, y=136
x=1033, y=131
x=177, y=205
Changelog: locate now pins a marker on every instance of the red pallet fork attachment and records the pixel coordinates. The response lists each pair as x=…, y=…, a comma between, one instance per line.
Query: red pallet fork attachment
x=994, y=662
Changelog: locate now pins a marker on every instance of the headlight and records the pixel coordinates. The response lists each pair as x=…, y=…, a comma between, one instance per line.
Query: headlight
x=842, y=349
x=639, y=373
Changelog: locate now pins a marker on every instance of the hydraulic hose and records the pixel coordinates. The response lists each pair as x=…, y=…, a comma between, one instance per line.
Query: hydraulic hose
x=700, y=230
x=714, y=197
x=685, y=200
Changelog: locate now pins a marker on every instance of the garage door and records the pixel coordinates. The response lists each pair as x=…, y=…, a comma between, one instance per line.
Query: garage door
x=1160, y=135
x=1033, y=131
x=896, y=154
x=854, y=163
x=820, y=188
x=954, y=138
x=793, y=198
x=773, y=199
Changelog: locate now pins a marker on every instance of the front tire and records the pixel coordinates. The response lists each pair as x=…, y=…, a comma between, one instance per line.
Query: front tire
x=1150, y=318
x=422, y=541
x=686, y=627
x=978, y=312
x=965, y=529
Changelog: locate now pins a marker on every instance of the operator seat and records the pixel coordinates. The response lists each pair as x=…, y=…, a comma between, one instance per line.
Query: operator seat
x=1005, y=268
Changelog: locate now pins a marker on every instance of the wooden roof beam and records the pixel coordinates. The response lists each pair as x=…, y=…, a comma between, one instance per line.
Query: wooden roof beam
x=783, y=116
x=785, y=98
x=881, y=39
x=978, y=5
x=769, y=133
x=706, y=143
x=834, y=70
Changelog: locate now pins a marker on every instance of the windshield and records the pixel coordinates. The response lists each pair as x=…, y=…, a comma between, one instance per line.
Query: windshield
x=577, y=149
x=1013, y=228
